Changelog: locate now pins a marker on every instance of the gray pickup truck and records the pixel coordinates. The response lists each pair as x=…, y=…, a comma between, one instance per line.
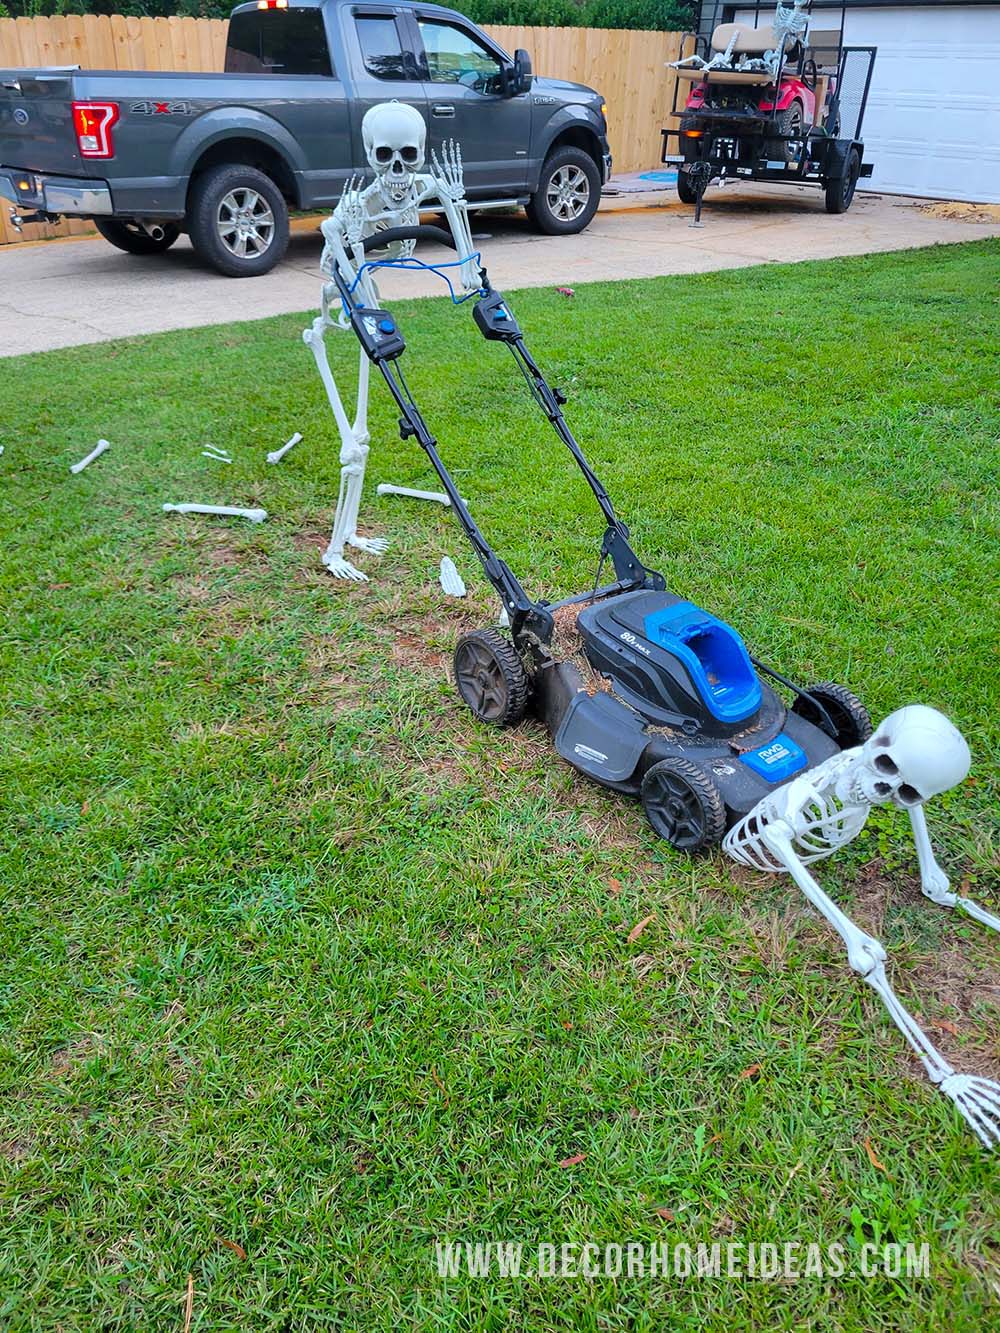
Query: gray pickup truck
x=225, y=156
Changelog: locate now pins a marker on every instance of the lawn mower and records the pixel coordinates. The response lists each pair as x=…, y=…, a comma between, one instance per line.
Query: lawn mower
x=640, y=689
x=770, y=101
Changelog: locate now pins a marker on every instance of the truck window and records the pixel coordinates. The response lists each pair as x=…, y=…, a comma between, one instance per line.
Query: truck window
x=455, y=56
x=278, y=41
x=380, y=46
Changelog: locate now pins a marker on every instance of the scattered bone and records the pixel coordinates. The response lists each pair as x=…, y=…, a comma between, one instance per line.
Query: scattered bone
x=438, y=497
x=451, y=580
x=276, y=455
x=219, y=458
x=254, y=515
x=102, y=445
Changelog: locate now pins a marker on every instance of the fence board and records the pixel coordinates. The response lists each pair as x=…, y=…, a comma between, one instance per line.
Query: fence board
x=626, y=67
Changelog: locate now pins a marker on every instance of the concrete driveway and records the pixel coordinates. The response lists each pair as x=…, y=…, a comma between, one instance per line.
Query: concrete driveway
x=63, y=293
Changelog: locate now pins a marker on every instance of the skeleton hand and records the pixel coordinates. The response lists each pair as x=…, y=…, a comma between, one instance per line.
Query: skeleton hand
x=350, y=211
x=448, y=174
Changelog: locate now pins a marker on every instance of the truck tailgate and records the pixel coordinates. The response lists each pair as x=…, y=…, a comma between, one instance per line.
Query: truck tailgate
x=36, y=122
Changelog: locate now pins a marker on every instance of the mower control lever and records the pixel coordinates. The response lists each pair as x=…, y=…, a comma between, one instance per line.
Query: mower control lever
x=495, y=320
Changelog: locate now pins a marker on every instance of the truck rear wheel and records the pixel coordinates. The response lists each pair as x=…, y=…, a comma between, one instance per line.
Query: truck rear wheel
x=130, y=237
x=238, y=221
x=569, y=190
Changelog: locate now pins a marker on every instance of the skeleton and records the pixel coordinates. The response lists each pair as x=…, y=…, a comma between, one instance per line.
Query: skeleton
x=790, y=25
x=915, y=754
x=394, y=138
x=227, y=511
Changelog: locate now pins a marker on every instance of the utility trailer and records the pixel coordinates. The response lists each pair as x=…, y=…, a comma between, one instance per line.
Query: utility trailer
x=770, y=96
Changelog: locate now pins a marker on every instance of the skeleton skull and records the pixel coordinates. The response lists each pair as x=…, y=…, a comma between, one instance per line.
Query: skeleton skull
x=915, y=754
x=394, y=137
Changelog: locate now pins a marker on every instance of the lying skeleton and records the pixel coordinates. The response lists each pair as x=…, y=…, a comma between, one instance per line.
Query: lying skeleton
x=915, y=754
x=394, y=136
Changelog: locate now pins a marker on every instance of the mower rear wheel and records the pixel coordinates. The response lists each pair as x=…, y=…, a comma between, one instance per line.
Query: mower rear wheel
x=491, y=677
x=683, y=804
x=847, y=713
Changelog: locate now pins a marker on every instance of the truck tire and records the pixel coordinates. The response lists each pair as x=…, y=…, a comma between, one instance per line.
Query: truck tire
x=130, y=237
x=238, y=221
x=840, y=192
x=569, y=190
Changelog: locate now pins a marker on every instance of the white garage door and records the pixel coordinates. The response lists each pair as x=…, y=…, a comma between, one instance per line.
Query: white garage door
x=933, y=121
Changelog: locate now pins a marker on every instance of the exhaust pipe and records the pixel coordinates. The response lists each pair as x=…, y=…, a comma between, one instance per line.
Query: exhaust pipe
x=156, y=232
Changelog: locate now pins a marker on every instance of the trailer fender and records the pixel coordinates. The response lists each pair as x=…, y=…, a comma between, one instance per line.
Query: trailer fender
x=833, y=159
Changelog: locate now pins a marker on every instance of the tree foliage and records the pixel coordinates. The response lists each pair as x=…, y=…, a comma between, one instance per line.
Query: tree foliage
x=651, y=15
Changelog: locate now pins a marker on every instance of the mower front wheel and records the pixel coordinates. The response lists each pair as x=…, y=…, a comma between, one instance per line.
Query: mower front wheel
x=845, y=710
x=683, y=804
x=491, y=677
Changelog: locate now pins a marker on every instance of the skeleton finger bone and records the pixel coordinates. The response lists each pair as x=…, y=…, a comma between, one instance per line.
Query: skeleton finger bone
x=451, y=580
x=228, y=511
x=373, y=545
x=978, y=1100
x=102, y=447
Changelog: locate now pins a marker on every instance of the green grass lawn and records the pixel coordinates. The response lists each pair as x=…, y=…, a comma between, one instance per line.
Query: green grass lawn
x=296, y=958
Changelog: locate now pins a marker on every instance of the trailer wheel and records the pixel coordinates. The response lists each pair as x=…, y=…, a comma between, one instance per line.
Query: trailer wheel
x=238, y=220
x=130, y=237
x=840, y=192
x=686, y=192
x=683, y=804
x=569, y=190
x=491, y=677
x=848, y=714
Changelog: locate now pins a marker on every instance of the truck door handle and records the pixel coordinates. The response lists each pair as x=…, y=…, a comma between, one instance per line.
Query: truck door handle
x=12, y=84
x=443, y=110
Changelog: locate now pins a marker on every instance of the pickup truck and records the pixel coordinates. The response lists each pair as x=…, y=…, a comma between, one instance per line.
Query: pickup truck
x=225, y=156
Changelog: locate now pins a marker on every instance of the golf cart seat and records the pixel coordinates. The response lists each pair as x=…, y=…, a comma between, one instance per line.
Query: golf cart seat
x=749, y=41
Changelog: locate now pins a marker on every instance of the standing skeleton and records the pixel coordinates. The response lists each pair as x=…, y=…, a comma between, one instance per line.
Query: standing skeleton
x=790, y=25
x=916, y=753
x=394, y=138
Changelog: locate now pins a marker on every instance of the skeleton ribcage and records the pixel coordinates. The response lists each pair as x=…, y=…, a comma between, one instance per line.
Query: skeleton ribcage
x=822, y=826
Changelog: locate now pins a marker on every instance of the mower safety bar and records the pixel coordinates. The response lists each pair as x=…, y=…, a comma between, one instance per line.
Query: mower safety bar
x=422, y=232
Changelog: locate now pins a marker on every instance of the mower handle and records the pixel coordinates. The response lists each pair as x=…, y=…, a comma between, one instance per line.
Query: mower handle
x=423, y=232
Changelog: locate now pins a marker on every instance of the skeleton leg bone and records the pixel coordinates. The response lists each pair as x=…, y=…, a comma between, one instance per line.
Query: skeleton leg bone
x=373, y=545
x=934, y=882
x=353, y=457
x=977, y=1099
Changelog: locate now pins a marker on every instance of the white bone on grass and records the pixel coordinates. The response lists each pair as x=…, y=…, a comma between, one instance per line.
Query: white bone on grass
x=102, y=447
x=452, y=583
x=438, y=497
x=227, y=511
x=915, y=754
x=395, y=140
x=276, y=455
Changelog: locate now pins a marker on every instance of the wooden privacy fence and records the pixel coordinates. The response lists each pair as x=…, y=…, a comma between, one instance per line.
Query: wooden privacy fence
x=626, y=67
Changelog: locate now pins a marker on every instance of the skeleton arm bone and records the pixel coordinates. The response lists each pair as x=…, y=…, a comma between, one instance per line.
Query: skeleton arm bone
x=934, y=882
x=977, y=1099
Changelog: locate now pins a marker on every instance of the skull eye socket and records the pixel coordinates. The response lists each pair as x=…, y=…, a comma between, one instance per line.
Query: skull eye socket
x=383, y=154
x=409, y=154
x=908, y=795
x=883, y=764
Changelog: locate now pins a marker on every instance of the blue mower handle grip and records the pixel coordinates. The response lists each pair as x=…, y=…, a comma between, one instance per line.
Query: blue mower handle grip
x=423, y=232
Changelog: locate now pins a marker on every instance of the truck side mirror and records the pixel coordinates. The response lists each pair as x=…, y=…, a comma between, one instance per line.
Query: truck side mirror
x=522, y=72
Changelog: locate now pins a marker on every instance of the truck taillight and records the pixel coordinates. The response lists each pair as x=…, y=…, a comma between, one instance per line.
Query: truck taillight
x=92, y=122
x=272, y=4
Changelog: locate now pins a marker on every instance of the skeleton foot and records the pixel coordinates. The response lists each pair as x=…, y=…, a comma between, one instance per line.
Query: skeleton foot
x=373, y=545
x=343, y=569
x=978, y=1100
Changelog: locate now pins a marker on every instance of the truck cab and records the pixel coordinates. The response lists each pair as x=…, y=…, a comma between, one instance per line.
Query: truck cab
x=148, y=155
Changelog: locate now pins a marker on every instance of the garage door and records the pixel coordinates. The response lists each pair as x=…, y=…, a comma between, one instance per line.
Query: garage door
x=933, y=120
